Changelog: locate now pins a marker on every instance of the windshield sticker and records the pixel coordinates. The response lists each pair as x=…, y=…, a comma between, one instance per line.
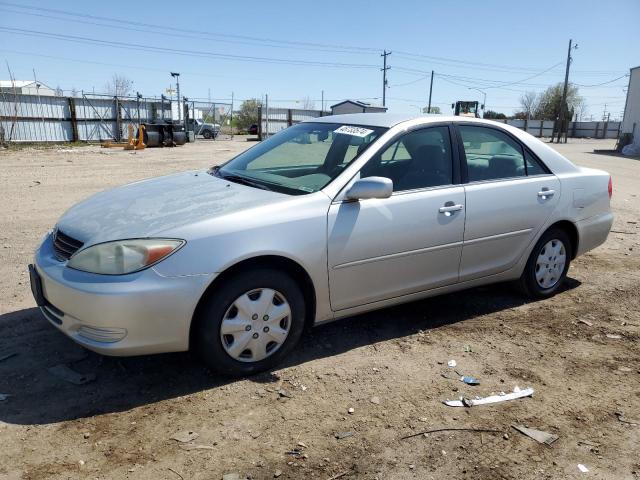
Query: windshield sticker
x=355, y=131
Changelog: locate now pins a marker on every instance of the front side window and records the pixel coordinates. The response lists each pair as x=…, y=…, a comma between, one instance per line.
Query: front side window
x=302, y=159
x=491, y=154
x=419, y=159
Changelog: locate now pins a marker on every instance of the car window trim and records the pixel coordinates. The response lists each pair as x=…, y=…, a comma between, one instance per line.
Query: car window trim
x=463, y=154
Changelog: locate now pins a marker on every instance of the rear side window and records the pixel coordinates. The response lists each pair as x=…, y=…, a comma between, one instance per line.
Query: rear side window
x=534, y=167
x=491, y=154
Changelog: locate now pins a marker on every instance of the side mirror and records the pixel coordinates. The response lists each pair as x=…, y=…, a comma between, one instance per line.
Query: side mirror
x=370, y=187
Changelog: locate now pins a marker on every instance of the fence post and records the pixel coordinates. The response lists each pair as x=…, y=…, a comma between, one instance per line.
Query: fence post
x=604, y=132
x=541, y=125
x=573, y=133
x=260, y=122
x=74, y=119
x=597, y=128
x=525, y=125
x=118, y=119
x=289, y=118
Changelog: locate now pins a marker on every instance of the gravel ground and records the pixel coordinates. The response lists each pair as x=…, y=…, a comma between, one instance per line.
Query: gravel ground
x=578, y=350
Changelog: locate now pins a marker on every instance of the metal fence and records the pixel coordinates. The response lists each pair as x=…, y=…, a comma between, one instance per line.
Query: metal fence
x=544, y=128
x=207, y=116
x=272, y=120
x=34, y=118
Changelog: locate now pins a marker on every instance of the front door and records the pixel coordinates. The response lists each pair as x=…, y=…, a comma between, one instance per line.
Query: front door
x=384, y=248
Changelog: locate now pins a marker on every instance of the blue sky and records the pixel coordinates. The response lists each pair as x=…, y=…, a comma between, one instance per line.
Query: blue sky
x=254, y=48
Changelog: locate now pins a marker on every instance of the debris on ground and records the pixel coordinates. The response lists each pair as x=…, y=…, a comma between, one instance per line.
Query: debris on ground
x=502, y=397
x=231, y=476
x=341, y=435
x=283, y=393
x=351, y=411
x=582, y=468
x=185, y=436
x=538, y=435
x=469, y=380
x=68, y=375
x=7, y=356
x=586, y=322
x=375, y=400
x=453, y=429
x=189, y=447
x=277, y=473
x=623, y=419
x=452, y=363
x=613, y=336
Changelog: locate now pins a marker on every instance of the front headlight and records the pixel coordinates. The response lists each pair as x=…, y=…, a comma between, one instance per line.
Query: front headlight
x=123, y=256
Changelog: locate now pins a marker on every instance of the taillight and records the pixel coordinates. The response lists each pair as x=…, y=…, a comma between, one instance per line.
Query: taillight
x=610, y=187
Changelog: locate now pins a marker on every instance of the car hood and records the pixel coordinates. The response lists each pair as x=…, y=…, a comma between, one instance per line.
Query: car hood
x=156, y=206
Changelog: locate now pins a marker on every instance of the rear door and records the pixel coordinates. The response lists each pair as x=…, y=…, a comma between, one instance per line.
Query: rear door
x=509, y=196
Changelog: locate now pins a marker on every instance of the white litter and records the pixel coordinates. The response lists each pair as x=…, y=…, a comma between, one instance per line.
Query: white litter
x=502, y=397
x=582, y=468
x=452, y=363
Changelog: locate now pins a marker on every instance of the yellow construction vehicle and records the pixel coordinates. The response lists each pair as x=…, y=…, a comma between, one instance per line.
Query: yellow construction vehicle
x=132, y=143
x=464, y=108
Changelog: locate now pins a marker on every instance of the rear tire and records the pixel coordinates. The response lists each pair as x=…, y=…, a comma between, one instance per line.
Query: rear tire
x=206, y=134
x=235, y=335
x=548, y=264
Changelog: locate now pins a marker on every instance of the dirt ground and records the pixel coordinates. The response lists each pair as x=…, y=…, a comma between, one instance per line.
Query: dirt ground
x=294, y=422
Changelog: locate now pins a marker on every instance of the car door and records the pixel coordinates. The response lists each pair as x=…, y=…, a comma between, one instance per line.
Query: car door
x=509, y=196
x=409, y=242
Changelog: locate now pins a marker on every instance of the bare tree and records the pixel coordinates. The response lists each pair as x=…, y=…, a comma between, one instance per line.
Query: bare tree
x=307, y=103
x=59, y=92
x=529, y=102
x=119, y=86
x=581, y=108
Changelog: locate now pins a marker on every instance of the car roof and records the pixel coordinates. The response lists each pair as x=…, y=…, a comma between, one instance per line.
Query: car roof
x=389, y=120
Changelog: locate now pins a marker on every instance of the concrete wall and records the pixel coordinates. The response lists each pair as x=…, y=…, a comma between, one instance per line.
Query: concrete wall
x=632, y=105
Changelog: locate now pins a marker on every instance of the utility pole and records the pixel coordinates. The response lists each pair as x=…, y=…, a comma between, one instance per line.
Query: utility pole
x=322, y=103
x=384, y=76
x=430, y=92
x=564, y=92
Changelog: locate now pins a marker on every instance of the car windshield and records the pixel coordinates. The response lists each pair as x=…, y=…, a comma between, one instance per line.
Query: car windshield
x=301, y=159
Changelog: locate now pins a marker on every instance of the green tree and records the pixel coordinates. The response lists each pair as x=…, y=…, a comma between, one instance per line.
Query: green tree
x=248, y=113
x=490, y=114
x=432, y=110
x=548, y=103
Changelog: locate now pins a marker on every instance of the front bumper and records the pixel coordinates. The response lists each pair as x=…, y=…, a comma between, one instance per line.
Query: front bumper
x=135, y=314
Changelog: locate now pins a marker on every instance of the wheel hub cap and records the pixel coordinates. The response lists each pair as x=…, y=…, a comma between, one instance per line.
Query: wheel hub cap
x=550, y=263
x=256, y=325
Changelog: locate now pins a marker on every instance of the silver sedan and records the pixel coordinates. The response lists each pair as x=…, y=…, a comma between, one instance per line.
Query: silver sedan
x=329, y=218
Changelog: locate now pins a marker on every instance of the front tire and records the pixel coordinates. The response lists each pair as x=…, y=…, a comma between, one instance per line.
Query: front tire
x=548, y=264
x=207, y=134
x=250, y=323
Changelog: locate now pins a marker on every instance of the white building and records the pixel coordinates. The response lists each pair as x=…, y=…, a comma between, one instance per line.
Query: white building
x=25, y=87
x=631, y=120
x=355, y=106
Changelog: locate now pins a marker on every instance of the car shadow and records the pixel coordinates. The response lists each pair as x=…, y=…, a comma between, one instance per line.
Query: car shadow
x=38, y=397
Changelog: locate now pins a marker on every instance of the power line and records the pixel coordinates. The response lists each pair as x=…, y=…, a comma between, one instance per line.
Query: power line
x=193, y=53
x=119, y=21
x=604, y=83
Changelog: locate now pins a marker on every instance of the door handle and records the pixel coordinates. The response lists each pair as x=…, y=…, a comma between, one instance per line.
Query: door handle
x=545, y=192
x=450, y=207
